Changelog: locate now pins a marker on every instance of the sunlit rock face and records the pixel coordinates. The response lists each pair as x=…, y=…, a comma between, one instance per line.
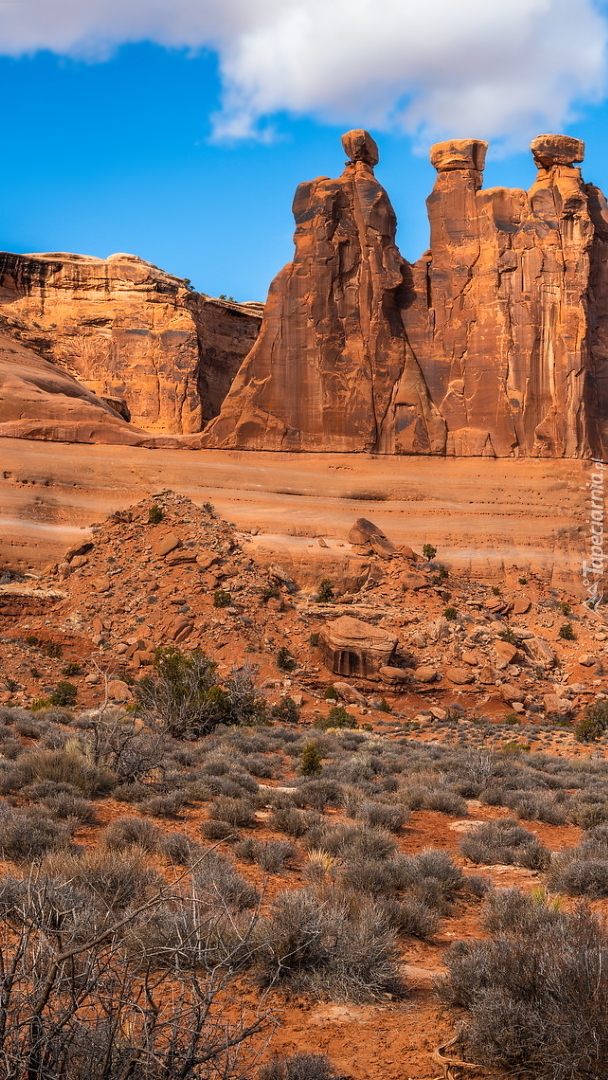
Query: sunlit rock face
x=161, y=354
x=332, y=368
x=495, y=343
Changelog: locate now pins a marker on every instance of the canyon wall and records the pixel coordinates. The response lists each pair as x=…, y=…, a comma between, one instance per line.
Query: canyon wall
x=495, y=343
x=161, y=355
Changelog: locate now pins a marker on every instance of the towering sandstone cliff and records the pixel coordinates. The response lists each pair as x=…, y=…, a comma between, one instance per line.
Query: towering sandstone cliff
x=494, y=343
x=161, y=355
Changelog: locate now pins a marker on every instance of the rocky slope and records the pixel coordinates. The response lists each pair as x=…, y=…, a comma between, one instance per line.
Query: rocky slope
x=493, y=344
x=191, y=579
x=162, y=355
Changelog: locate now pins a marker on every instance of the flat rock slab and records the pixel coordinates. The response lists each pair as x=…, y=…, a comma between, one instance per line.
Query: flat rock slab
x=355, y=648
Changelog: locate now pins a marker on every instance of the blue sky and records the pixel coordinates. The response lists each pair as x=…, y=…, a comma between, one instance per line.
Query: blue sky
x=186, y=153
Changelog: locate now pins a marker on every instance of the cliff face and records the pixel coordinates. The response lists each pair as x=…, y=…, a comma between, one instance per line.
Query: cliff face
x=495, y=343
x=161, y=355
x=332, y=369
x=506, y=349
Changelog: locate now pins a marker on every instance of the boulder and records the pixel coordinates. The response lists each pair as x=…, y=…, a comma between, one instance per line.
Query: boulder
x=180, y=628
x=505, y=652
x=394, y=674
x=426, y=673
x=352, y=647
x=414, y=581
x=458, y=675
x=520, y=605
x=118, y=690
x=510, y=693
x=167, y=543
x=348, y=693
x=555, y=704
x=540, y=652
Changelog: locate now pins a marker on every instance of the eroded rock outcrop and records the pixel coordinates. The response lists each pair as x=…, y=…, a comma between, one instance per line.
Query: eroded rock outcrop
x=495, y=343
x=161, y=355
x=39, y=401
x=332, y=368
x=507, y=355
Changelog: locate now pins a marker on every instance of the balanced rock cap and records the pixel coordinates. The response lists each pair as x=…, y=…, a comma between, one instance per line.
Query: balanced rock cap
x=359, y=146
x=551, y=150
x=459, y=154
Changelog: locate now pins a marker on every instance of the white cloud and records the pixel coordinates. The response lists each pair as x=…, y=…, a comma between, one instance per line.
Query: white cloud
x=503, y=69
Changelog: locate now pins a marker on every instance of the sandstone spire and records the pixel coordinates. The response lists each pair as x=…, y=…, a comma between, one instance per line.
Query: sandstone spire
x=332, y=368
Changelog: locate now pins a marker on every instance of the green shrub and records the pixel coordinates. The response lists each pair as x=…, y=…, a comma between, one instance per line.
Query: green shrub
x=495, y=590
x=593, y=723
x=310, y=760
x=64, y=694
x=450, y=613
x=184, y=695
x=40, y=703
x=155, y=515
x=523, y=581
x=53, y=650
x=71, y=669
x=325, y=592
x=565, y=608
x=331, y=694
x=221, y=598
x=429, y=551
x=338, y=717
x=285, y=659
x=270, y=592
x=285, y=710
x=567, y=632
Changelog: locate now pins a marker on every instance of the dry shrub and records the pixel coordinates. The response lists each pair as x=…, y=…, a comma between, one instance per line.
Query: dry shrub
x=131, y=832
x=179, y=849
x=381, y=815
x=240, y=813
x=535, y=995
x=331, y=943
x=504, y=841
x=66, y=767
x=298, y=1067
x=582, y=870
x=115, y=879
x=217, y=880
x=271, y=855
x=27, y=835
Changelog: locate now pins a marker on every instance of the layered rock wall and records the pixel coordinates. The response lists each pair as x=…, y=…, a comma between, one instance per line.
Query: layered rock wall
x=332, y=369
x=494, y=344
x=508, y=355
x=161, y=355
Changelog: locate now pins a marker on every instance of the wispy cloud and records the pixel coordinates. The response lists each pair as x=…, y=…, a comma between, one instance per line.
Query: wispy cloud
x=503, y=69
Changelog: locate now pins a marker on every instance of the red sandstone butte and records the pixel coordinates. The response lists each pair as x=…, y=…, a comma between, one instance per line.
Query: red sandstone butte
x=332, y=368
x=160, y=354
x=495, y=343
